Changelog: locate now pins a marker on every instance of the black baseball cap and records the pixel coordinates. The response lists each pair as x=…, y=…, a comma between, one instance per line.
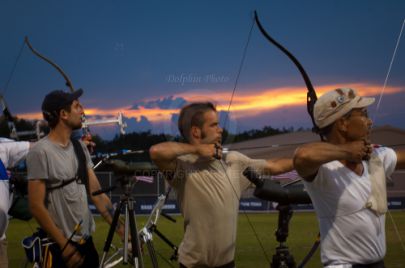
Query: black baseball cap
x=57, y=99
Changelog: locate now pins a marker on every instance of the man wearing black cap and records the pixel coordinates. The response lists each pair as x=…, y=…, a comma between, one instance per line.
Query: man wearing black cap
x=58, y=181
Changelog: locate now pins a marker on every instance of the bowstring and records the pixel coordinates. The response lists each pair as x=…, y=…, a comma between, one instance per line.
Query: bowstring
x=375, y=116
x=239, y=72
x=390, y=66
x=225, y=122
x=13, y=69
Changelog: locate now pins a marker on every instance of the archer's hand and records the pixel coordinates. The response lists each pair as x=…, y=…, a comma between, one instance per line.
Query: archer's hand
x=209, y=151
x=88, y=140
x=358, y=150
x=72, y=257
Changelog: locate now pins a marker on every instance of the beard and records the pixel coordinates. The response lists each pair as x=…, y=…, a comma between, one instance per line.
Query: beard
x=203, y=135
x=74, y=125
x=77, y=127
x=209, y=141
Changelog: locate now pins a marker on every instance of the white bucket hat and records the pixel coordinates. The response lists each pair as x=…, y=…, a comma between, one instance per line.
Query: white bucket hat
x=336, y=103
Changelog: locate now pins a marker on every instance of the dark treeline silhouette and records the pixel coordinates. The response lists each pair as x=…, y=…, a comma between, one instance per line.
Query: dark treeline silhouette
x=138, y=142
x=254, y=134
x=21, y=125
x=142, y=141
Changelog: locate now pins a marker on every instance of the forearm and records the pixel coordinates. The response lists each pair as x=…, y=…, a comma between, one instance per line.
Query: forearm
x=164, y=154
x=278, y=166
x=169, y=151
x=41, y=215
x=104, y=206
x=36, y=198
x=106, y=209
x=308, y=158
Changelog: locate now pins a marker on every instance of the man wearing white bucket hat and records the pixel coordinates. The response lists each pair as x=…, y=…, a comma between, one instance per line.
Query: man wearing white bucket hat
x=345, y=177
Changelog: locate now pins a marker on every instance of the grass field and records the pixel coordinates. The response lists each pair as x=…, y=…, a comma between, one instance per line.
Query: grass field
x=303, y=231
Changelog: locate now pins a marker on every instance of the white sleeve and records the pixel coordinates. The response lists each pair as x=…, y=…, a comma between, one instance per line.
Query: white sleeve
x=15, y=152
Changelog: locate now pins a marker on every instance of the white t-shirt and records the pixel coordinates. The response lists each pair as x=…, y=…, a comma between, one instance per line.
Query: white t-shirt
x=350, y=233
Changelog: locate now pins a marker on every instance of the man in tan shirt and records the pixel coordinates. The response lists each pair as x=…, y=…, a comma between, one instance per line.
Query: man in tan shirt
x=208, y=186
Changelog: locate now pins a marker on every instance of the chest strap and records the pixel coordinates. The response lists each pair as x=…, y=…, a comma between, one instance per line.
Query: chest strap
x=81, y=174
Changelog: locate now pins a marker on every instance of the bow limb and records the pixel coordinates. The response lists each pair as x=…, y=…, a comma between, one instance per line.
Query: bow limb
x=57, y=67
x=311, y=99
x=311, y=93
x=86, y=130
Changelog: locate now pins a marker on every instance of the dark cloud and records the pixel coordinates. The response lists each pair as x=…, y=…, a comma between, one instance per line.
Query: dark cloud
x=135, y=125
x=166, y=103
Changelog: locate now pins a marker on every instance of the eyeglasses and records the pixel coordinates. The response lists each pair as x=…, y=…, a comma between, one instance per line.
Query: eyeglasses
x=363, y=112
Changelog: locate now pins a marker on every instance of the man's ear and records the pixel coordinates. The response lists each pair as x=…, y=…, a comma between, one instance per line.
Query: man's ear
x=63, y=114
x=342, y=124
x=195, y=132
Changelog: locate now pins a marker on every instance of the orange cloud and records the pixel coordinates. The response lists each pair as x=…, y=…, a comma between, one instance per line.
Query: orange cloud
x=244, y=104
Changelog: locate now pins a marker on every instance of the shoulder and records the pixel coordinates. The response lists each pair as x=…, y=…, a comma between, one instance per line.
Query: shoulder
x=39, y=148
x=330, y=166
x=40, y=145
x=384, y=152
x=184, y=162
x=234, y=156
x=380, y=149
x=187, y=158
x=328, y=170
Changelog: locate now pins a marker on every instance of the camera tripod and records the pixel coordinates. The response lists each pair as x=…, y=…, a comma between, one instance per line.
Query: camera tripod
x=285, y=197
x=150, y=227
x=126, y=177
x=126, y=204
x=282, y=258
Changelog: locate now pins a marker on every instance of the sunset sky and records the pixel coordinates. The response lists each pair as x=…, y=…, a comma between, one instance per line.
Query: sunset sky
x=146, y=59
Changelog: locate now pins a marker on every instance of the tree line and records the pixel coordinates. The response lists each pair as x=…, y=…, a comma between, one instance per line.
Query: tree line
x=142, y=141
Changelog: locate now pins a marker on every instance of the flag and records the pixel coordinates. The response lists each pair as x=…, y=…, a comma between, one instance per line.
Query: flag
x=291, y=175
x=147, y=179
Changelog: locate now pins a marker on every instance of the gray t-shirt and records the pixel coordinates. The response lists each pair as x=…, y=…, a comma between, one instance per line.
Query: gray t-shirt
x=68, y=205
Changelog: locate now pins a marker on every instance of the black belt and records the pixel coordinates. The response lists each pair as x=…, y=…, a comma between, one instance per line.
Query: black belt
x=379, y=264
x=227, y=265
